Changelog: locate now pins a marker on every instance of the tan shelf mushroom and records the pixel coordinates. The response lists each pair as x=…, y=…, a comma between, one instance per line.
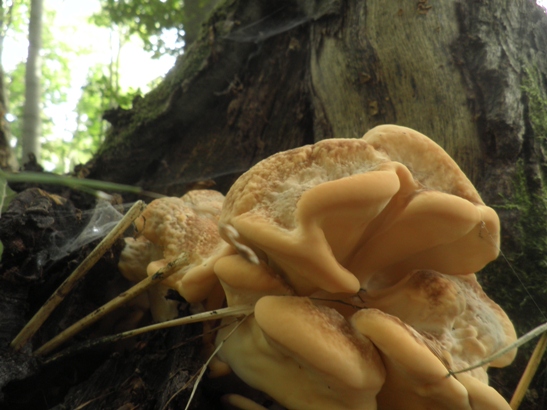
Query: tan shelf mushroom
x=359, y=255
x=166, y=228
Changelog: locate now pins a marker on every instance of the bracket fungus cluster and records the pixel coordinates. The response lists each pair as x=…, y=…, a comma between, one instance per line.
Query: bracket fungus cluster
x=359, y=256
x=166, y=228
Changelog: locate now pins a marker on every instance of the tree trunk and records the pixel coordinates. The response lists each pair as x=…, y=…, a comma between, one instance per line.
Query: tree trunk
x=269, y=76
x=7, y=159
x=31, y=110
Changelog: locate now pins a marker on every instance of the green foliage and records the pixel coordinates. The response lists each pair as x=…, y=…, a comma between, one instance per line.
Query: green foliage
x=101, y=92
x=98, y=95
x=150, y=19
x=16, y=97
x=14, y=23
x=146, y=18
x=55, y=82
x=56, y=56
x=13, y=17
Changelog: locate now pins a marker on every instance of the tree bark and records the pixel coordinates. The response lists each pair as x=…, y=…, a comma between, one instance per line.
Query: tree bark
x=31, y=110
x=269, y=76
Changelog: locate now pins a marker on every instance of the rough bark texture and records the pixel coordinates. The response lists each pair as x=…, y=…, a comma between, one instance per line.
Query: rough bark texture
x=267, y=76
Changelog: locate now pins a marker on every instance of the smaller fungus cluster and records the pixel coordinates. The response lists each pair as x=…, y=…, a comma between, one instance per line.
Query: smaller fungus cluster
x=359, y=256
x=166, y=228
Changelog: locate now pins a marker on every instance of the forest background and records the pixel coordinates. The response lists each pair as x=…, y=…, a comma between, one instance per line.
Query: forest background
x=89, y=51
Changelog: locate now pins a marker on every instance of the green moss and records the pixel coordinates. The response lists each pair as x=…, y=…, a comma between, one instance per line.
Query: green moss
x=537, y=101
x=522, y=269
x=518, y=279
x=530, y=186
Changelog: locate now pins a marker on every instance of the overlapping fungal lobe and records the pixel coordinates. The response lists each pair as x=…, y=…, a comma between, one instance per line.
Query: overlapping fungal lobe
x=181, y=224
x=135, y=257
x=384, y=232
x=169, y=227
x=305, y=356
x=416, y=369
x=453, y=311
x=341, y=215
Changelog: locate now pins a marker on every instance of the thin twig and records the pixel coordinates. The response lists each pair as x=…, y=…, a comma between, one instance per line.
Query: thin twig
x=203, y=334
x=204, y=367
x=102, y=396
x=115, y=303
x=529, y=372
x=40, y=317
x=519, y=342
x=200, y=317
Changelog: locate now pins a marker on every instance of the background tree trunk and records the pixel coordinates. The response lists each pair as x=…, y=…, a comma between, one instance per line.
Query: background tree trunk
x=7, y=159
x=268, y=76
x=31, y=111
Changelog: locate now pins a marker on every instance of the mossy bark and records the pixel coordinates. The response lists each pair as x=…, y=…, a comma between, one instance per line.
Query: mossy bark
x=268, y=76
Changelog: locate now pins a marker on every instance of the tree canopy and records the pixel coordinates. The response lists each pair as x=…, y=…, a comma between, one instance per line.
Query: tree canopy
x=150, y=19
x=100, y=92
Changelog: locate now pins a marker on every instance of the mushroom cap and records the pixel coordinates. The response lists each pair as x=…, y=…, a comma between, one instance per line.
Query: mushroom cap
x=178, y=225
x=262, y=206
x=245, y=283
x=134, y=258
x=481, y=330
x=428, y=162
x=455, y=311
x=415, y=372
x=238, y=402
x=187, y=224
x=341, y=215
x=311, y=359
x=198, y=282
x=171, y=226
x=482, y=396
